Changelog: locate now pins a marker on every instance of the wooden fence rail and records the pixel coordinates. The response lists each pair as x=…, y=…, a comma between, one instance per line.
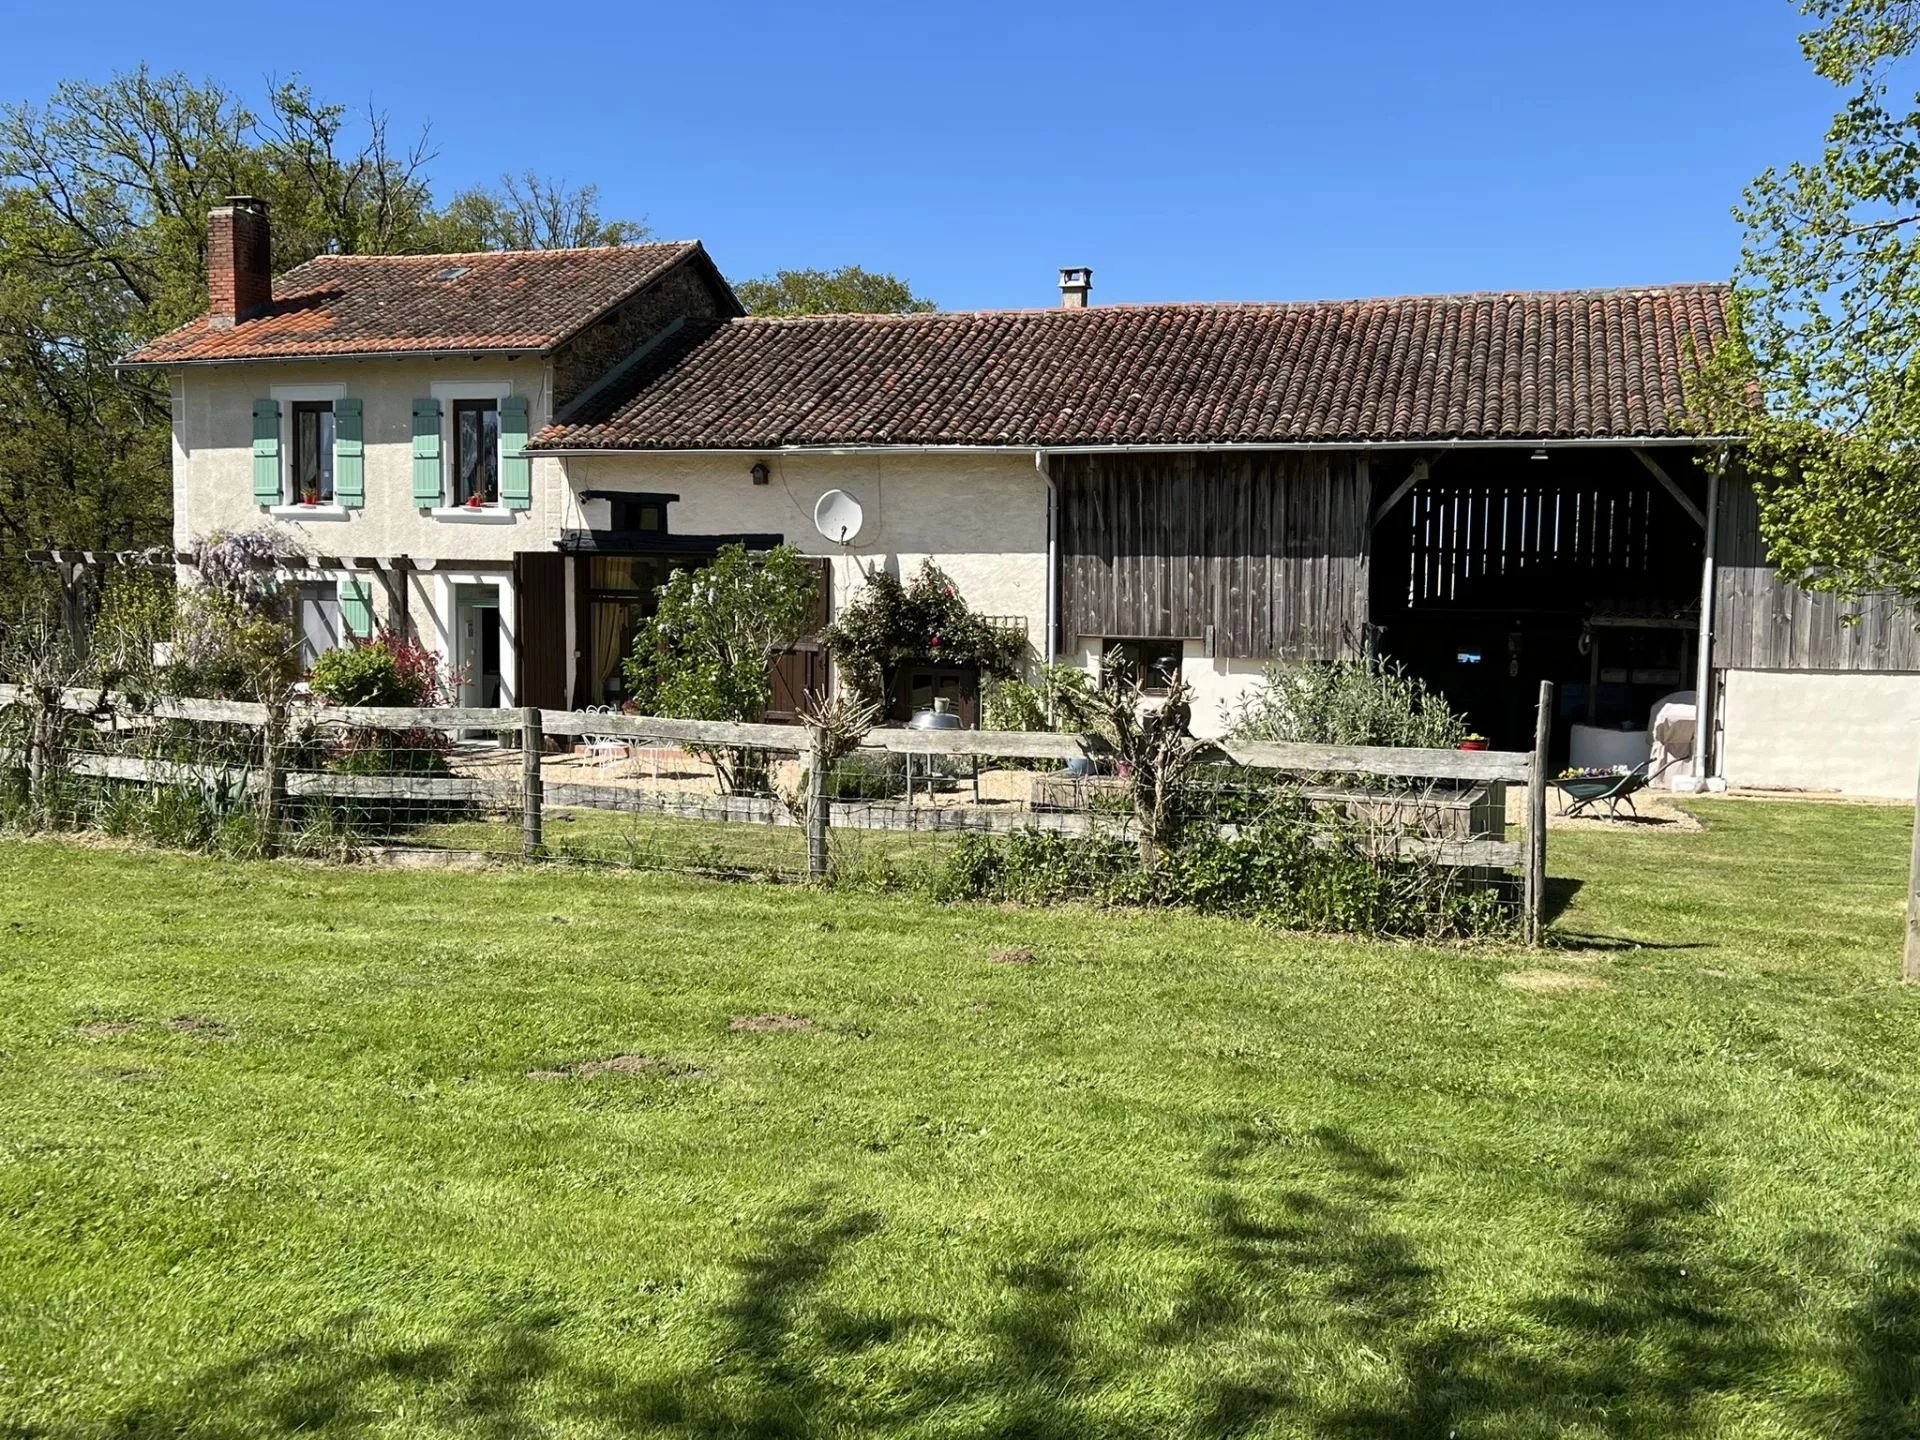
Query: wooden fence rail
x=532, y=794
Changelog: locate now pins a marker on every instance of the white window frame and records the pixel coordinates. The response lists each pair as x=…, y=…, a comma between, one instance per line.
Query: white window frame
x=446, y=392
x=285, y=396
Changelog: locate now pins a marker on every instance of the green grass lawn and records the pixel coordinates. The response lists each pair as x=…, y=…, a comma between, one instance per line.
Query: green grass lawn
x=272, y=1161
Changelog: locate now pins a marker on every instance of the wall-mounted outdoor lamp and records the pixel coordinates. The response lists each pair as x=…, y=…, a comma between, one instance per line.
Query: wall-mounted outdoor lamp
x=759, y=472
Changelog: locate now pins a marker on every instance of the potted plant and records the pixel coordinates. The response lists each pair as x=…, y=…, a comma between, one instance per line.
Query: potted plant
x=1476, y=741
x=475, y=501
x=310, y=493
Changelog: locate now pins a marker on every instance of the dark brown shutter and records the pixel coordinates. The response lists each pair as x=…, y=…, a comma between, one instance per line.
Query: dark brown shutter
x=540, y=582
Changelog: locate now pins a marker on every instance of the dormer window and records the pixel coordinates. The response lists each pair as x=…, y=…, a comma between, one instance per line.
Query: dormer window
x=310, y=472
x=476, y=452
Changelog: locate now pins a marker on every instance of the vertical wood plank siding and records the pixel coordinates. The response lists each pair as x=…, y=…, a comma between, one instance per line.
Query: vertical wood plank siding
x=1270, y=550
x=1760, y=622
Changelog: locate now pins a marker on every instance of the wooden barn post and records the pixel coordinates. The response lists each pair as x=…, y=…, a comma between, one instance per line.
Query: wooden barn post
x=1537, y=818
x=532, y=741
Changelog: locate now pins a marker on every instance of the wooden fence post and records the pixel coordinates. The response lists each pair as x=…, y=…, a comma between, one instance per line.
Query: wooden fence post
x=273, y=776
x=817, y=763
x=532, y=741
x=1910, y=969
x=36, y=701
x=1537, y=818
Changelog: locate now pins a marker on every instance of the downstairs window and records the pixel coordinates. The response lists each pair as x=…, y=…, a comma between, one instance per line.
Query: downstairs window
x=1155, y=663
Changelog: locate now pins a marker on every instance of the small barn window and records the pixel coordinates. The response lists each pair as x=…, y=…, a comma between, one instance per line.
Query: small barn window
x=1156, y=663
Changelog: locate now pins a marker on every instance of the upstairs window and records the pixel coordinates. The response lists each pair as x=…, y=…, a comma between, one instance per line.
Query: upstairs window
x=476, y=452
x=310, y=463
x=1154, y=663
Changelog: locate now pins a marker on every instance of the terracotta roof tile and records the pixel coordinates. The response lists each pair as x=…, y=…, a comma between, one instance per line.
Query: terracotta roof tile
x=401, y=304
x=1540, y=365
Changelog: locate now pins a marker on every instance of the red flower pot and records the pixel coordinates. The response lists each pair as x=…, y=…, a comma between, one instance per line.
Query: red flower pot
x=1476, y=744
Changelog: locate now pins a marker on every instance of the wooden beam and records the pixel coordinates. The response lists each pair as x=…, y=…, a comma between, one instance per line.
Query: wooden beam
x=1409, y=761
x=698, y=732
x=1680, y=497
x=1010, y=744
x=1421, y=469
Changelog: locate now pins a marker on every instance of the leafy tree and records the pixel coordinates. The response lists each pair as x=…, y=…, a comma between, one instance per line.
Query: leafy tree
x=1828, y=321
x=529, y=212
x=705, y=653
x=849, y=290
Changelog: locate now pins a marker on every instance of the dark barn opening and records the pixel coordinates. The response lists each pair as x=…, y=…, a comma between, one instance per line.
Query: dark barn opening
x=1505, y=567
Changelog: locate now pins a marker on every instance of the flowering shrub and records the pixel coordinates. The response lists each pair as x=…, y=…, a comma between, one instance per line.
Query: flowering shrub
x=241, y=565
x=389, y=669
x=891, y=625
x=222, y=650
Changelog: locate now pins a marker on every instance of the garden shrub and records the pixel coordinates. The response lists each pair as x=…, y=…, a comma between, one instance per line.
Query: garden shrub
x=1025, y=705
x=867, y=776
x=1293, y=868
x=396, y=671
x=388, y=669
x=224, y=651
x=704, y=653
x=1370, y=701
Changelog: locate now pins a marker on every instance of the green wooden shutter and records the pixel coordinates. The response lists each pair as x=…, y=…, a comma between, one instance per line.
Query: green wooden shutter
x=356, y=606
x=426, y=452
x=516, y=467
x=349, y=455
x=266, y=452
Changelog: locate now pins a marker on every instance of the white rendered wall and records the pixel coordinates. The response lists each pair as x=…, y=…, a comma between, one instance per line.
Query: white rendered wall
x=981, y=518
x=213, y=459
x=1850, y=733
x=1218, y=685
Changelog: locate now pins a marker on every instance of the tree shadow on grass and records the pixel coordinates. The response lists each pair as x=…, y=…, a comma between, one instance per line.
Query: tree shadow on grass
x=1649, y=1332
x=1881, y=1349
x=1305, y=1305
x=326, y=1382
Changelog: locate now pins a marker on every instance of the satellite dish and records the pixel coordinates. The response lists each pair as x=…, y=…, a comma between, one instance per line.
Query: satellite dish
x=838, y=516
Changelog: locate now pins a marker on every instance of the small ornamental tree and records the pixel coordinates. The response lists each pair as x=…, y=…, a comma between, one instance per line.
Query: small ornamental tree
x=705, y=653
x=890, y=626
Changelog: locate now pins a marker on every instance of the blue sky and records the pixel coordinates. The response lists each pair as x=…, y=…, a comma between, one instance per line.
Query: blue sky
x=1185, y=151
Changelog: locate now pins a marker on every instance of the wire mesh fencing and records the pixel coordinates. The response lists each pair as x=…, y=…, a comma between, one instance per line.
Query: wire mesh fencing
x=1347, y=837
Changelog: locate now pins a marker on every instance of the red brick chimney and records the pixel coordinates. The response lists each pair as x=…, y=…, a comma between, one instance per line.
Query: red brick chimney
x=239, y=260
